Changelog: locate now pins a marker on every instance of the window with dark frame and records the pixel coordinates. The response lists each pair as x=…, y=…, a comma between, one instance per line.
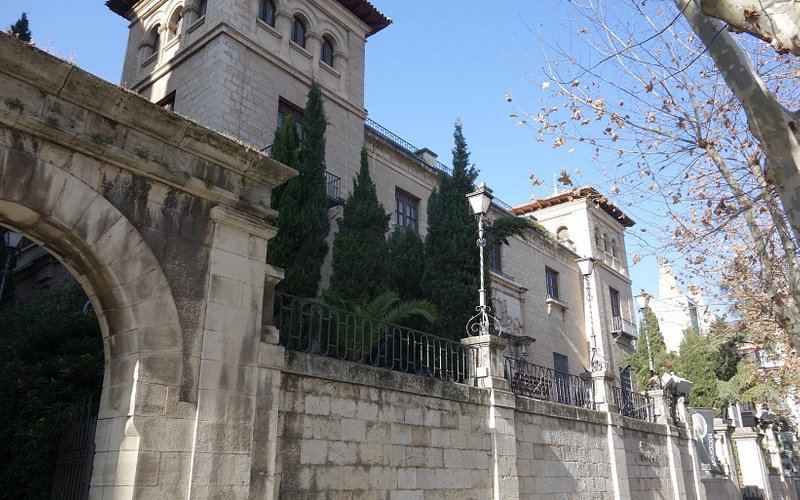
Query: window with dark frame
x=551, y=280
x=496, y=259
x=616, y=311
x=561, y=369
x=201, y=8
x=406, y=210
x=327, y=52
x=299, y=32
x=693, y=318
x=285, y=108
x=266, y=12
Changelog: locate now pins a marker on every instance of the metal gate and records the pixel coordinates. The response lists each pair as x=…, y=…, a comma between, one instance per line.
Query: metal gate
x=75, y=455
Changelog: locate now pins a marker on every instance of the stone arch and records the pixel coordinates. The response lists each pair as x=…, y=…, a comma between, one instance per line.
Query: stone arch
x=128, y=290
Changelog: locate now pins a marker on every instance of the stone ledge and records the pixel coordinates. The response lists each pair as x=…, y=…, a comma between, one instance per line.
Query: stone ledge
x=346, y=371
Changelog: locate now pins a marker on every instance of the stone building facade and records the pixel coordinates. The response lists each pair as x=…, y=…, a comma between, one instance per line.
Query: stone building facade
x=239, y=66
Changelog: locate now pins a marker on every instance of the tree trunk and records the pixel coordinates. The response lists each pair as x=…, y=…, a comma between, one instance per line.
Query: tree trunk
x=776, y=128
x=775, y=22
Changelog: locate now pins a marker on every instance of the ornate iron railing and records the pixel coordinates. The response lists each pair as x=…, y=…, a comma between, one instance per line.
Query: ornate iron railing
x=534, y=381
x=333, y=187
x=635, y=405
x=307, y=325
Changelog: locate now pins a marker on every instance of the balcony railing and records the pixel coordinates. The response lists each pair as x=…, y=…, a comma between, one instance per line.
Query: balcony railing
x=621, y=326
x=538, y=382
x=307, y=325
x=333, y=188
x=634, y=405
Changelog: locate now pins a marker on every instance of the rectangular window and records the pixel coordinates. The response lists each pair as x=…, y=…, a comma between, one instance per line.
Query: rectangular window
x=406, y=210
x=496, y=259
x=626, y=381
x=693, y=317
x=561, y=368
x=616, y=314
x=285, y=108
x=551, y=280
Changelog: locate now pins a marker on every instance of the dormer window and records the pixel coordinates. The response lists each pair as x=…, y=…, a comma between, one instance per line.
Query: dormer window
x=266, y=12
x=327, y=51
x=299, y=32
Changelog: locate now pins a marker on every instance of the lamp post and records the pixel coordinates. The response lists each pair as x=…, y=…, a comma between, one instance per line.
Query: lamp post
x=11, y=241
x=479, y=202
x=642, y=300
x=586, y=267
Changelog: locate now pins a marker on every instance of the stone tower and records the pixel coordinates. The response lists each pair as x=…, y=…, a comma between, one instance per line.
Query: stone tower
x=240, y=66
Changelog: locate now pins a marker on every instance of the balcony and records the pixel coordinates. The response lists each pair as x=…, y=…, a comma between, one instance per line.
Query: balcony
x=621, y=327
x=333, y=189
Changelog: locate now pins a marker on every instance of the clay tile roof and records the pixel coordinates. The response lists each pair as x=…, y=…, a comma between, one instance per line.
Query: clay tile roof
x=577, y=193
x=360, y=8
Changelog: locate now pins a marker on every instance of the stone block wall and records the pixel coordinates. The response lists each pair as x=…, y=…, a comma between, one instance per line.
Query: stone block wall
x=562, y=454
x=352, y=431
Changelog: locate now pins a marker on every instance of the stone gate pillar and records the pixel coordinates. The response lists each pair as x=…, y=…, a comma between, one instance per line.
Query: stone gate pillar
x=229, y=365
x=487, y=352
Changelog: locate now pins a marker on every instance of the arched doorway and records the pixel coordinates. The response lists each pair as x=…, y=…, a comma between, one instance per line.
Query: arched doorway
x=128, y=291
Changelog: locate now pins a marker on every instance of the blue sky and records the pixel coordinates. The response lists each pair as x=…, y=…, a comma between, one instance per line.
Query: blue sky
x=439, y=61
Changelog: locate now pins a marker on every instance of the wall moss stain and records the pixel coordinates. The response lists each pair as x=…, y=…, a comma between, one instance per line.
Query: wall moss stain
x=130, y=196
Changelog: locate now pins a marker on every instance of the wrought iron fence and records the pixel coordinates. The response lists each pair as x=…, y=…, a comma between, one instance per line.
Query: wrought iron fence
x=308, y=325
x=534, y=381
x=635, y=405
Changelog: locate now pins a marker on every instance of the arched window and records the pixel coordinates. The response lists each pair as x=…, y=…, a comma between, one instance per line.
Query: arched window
x=174, y=25
x=562, y=234
x=606, y=243
x=327, y=51
x=614, y=249
x=598, y=238
x=299, y=32
x=154, y=37
x=266, y=12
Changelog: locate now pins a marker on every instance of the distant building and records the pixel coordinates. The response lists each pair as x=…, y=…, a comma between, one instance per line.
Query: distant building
x=678, y=311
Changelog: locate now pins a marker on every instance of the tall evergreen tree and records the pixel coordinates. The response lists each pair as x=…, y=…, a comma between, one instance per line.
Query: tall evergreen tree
x=639, y=361
x=406, y=263
x=303, y=225
x=21, y=29
x=696, y=363
x=360, y=250
x=452, y=270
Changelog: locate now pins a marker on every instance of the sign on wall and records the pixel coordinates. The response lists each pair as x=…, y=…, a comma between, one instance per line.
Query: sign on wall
x=703, y=434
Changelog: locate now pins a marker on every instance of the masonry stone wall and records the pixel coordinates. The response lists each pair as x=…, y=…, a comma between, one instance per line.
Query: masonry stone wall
x=561, y=453
x=352, y=431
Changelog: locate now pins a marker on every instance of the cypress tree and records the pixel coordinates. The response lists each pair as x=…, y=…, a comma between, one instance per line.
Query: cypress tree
x=21, y=29
x=360, y=250
x=451, y=274
x=406, y=263
x=696, y=363
x=639, y=361
x=300, y=247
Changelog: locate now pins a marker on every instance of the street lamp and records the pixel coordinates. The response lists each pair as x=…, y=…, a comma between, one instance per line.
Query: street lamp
x=479, y=202
x=11, y=242
x=643, y=300
x=586, y=268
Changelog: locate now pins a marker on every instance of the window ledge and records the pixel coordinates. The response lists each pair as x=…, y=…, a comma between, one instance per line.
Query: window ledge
x=172, y=42
x=196, y=24
x=150, y=59
x=269, y=28
x=300, y=49
x=329, y=69
x=559, y=304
